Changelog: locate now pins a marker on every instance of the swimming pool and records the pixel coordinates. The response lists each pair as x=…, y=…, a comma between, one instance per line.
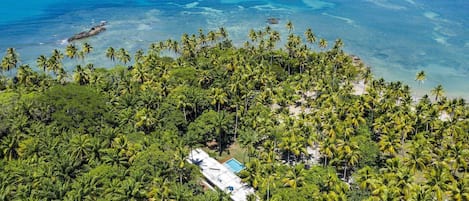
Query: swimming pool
x=234, y=165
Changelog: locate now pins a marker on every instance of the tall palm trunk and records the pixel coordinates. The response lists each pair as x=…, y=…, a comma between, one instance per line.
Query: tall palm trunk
x=268, y=190
x=236, y=122
x=246, y=104
x=345, y=172
x=220, y=143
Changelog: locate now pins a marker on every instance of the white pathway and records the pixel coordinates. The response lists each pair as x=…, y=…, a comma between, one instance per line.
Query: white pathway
x=220, y=176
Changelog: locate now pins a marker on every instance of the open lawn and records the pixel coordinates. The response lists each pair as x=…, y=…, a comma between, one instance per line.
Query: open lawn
x=234, y=151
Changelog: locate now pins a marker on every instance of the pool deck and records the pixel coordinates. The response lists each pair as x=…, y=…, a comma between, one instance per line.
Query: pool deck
x=220, y=176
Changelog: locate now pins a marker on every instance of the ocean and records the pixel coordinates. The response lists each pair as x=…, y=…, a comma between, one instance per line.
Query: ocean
x=397, y=38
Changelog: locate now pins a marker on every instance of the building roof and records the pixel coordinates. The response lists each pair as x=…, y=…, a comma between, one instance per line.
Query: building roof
x=220, y=176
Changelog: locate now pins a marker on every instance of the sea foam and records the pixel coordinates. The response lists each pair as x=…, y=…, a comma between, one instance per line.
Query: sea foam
x=191, y=5
x=386, y=4
x=63, y=42
x=345, y=19
x=144, y=27
x=269, y=7
x=431, y=15
x=440, y=39
x=410, y=1
x=317, y=4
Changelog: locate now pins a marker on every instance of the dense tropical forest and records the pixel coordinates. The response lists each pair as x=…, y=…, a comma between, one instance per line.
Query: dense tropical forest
x=290, y=112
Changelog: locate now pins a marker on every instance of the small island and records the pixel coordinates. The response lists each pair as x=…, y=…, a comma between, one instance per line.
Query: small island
x=95, y=30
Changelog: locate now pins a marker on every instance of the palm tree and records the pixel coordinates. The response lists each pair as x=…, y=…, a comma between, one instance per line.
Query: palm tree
x=5, y=64
x=438, y=179
x=236, y=87
x=338, y=44
x=222, y=32
x=295, y=177
x=292, y=143
x=80, y=147
x=41, y=62
x=138, y=73
x=328, y=148
x=310, y=37
x=350, y=152
x=87, y=48
x=274, y=37
x=366, y=178
x=420, y=77
x=222, y=126
x=139, y=55
x=9, y=146
x=80, y=76
x=10, y=60
x=25, y=75
x=154, y=49
x=418, y=156
x=289, y=26
x=183, y=103
x=218, y=97
x=404, y=179
x=71, y=51
x=322, y=43
x=253, y=35
x=180, y=156
x=61, y=76
x=438, y=92
x=160, y=189
x=268, y=183
x=458, y=155
x=253, y=173
x=111, y=53
x=11, y=52
x=247, y=139
x=421, y=193
x=145, y=120
x=57, y=55
x=123, y=56
x=460, y=189
x=333, y=184
x=175, y=46
x=201, y=40
x=212, y=36
x=54, y=63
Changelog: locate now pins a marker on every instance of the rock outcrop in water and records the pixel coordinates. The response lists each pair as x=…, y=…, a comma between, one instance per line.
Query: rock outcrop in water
x=273, y=20
x=92, y=32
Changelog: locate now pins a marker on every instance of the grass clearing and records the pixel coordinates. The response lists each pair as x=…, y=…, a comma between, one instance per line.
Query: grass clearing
x=234, y=151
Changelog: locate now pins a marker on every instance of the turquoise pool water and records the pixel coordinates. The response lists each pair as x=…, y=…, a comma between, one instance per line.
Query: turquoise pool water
x=234, y=165
x=397, y=38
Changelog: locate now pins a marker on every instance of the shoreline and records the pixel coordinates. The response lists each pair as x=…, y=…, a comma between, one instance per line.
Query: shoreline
x=386, y=61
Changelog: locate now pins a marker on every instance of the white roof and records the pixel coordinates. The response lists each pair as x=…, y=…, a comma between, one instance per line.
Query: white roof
x=220, y=175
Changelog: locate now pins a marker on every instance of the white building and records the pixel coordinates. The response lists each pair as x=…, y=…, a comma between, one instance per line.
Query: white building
x=220, y=176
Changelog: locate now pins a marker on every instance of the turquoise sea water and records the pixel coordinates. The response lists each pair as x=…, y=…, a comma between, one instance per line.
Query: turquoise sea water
x=397, y=38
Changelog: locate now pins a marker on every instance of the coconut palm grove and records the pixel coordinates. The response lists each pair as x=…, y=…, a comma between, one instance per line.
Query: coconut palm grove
x=307, y=120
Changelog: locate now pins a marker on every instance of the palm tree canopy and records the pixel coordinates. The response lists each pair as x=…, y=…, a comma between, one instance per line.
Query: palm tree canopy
x=420, y=77
x=438, y=92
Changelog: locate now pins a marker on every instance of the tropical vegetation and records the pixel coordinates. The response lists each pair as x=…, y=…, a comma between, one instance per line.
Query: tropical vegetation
x=124, y=133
